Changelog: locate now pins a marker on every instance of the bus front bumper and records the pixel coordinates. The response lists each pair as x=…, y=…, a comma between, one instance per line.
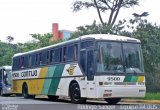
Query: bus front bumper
x=115, y=92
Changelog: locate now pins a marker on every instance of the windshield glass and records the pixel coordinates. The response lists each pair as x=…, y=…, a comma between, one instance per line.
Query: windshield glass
x=7, y=77
x=116, y=57
x=132, y=58
x=109, y=57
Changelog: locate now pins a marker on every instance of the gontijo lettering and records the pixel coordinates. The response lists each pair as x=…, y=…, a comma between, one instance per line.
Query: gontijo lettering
x=29, y=73
x=24, y=74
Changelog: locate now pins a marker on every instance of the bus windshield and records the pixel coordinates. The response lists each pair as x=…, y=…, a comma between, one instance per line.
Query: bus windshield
x=7, y=77
x=116, y=57
x=133, y=58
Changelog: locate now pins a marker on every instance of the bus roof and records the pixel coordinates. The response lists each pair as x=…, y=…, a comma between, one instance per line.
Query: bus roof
x=6, y=67
x=91, y=36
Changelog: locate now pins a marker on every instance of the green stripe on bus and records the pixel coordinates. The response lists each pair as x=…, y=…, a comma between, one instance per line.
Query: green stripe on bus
x=48, y=81
x=55, y=81
x=127, y=78
x=134, y=79
x=131, y=79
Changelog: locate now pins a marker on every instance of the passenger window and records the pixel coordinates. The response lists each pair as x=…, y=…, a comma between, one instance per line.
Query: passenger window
x=40, y=58
x=51, y=56
x=47, y=57
x=64, y=54
x=37, y=63
x=75, y=52
x=26, y=61
x=57, y=55
x=72, y=52
x=33, y=60
x=22, y=62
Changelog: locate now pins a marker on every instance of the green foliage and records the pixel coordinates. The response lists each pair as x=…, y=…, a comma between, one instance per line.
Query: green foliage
x=6, y=53
x=152, y=96
x=39, y=41
x=7, y=50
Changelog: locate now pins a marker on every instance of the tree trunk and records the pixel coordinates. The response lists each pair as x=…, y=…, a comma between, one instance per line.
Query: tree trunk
x=117, y=11
x=99, y=13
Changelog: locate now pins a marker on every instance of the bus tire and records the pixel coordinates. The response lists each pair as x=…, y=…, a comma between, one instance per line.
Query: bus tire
x=52, y=97
x=112, y=100
x=25, y=91
x=75, y=94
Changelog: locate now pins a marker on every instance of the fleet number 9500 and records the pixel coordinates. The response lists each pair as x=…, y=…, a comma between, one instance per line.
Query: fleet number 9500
x=113, y=78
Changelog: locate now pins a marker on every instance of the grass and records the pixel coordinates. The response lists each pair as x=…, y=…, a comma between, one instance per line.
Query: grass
x=152, y=96
x=149, y=96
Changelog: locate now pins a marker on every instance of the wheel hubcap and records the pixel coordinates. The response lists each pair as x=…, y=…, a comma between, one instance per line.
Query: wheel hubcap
x=76, y=93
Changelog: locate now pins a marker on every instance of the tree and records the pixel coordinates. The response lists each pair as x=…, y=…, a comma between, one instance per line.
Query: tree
x=7, y=52
x=39, y=41
x=10, y=39
x=113, y=6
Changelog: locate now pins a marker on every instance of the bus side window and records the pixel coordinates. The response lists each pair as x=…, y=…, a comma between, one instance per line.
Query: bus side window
x=47, y=57
x=64, y=54
x=30, y=61
x=26, y=61
x=75, y=51
x=16, y=63
x=33, y=60
x=70, y=53
x=58, y=55
x=40, y=59
x=37, y=60
x=22, y=62
x=51, y=56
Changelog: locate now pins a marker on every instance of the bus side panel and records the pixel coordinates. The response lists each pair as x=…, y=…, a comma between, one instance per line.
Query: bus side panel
x=48, y=81
x=17, y=86
x=41, y=80
x=55, y=81
x=71, y=72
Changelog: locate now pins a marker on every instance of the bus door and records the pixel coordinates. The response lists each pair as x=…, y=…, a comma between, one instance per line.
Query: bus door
x=1, y=73
x=6, y=81
x=90, y=71
x=7, y=78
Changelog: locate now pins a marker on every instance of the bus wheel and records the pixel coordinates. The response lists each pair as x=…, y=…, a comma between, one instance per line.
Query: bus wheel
x=25, y=91
x=75, y=94
x=52, y=97
x=112, y=100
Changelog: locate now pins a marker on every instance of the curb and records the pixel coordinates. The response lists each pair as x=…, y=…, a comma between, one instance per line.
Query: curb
x=141, y=101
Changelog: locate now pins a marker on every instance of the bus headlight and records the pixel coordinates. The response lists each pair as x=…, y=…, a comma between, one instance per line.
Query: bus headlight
x=9, y=89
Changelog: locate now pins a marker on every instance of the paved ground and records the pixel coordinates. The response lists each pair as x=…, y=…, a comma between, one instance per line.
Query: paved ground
x=19, y=103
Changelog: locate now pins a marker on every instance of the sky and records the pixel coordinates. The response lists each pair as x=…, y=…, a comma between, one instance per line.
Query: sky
x=20, y=18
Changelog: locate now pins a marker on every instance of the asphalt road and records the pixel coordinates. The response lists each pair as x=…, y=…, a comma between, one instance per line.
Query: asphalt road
x=19, y=103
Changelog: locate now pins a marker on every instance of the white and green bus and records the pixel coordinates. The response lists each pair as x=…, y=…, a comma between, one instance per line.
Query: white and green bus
x=97, y=66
